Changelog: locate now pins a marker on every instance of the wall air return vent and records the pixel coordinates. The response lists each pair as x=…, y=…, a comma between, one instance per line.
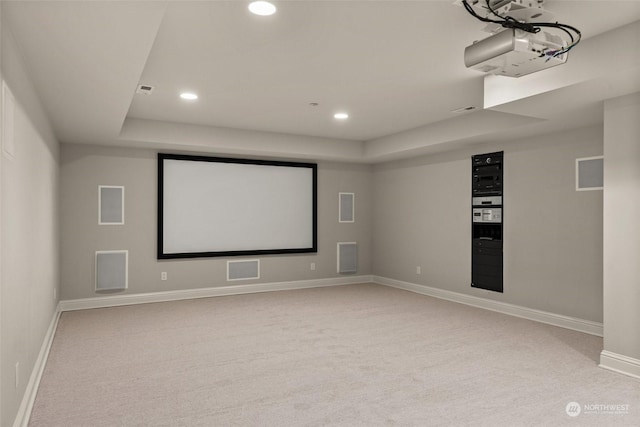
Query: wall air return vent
x=243, y=270
x=347, y=257
x=111, y=270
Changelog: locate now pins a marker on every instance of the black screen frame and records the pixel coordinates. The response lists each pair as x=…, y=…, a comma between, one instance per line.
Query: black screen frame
x=161, y=255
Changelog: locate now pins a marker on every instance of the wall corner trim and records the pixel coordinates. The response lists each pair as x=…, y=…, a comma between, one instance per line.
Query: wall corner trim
x=216, y=291
x=29, y=397
x=580, y=325
x=620, y=363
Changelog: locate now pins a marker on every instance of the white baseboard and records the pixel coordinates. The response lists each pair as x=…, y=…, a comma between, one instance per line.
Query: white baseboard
x=586, y=326
x=130, y=299
x=619, y=363
x=24, y=412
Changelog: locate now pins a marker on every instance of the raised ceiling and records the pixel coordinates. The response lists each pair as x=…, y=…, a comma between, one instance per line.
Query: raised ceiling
x=392, y=65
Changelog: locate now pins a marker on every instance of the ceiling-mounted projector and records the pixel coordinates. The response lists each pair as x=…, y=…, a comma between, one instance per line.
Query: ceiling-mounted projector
x=514, y=53
x=523, y=38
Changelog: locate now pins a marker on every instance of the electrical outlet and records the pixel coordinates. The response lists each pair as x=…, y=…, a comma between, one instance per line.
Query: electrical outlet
x=55, y=294
x=418, y=270
x=17, y=374
x=313, y=266
x=163, y=275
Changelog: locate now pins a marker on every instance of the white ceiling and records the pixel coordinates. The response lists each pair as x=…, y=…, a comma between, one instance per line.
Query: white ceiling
x=393, y=65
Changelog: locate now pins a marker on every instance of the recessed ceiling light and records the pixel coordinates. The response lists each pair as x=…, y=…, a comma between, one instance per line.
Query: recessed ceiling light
x=189, y=96
x=341, y=116
x=262, y=8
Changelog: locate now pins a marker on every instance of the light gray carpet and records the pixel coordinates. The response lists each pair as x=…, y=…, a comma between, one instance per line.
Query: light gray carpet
x=346, y=355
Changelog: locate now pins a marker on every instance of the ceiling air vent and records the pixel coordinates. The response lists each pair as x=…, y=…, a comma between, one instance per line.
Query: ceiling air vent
x=464, y=109
x=145, y=89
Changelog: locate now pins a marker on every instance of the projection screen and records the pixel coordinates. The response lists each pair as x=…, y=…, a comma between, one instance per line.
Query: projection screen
x=214, y=206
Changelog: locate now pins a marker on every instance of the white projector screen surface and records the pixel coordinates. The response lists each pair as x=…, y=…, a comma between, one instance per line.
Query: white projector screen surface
x=209, y=206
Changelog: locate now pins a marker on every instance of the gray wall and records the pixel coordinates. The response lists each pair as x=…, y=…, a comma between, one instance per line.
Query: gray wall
x=28, y=233
x=84, y=168
x=622, y=227
x=552, y=233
